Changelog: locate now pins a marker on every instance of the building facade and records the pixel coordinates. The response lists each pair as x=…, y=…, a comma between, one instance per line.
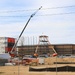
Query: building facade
x=6, y=44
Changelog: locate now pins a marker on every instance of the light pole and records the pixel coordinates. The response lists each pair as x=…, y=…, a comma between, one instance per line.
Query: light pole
x=56, y=65
x=18, y=67
x=55, y=55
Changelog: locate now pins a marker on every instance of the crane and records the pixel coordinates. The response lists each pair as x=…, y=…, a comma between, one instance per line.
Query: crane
x=12, y=53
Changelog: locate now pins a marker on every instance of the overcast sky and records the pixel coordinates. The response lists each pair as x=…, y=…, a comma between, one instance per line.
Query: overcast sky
x=56, y=19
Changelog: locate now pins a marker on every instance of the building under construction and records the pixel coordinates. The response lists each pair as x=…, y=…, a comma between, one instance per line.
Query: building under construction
x=45, y=47
x=61, y=49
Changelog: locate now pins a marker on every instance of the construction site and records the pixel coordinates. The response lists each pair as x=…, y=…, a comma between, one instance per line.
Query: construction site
x=60, y=58
x=45, y=47
x=42, y=58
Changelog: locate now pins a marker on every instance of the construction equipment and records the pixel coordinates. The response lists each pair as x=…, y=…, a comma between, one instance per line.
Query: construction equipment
x=43, y=40
x=12, y=53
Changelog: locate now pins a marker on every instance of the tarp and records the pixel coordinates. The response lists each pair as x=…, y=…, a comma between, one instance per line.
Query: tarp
x=53, y=69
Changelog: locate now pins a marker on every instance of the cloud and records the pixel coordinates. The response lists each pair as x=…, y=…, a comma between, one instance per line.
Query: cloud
x=60, y=28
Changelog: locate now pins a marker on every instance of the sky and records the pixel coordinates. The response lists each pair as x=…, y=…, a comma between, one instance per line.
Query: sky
x=56, y=19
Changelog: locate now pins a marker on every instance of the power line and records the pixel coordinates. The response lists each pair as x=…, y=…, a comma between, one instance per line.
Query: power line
x=42, y=15
x=12, y=11
x=59, y=7
x=58, y=14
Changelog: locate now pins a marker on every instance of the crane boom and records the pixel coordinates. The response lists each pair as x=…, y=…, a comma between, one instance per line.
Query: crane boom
x=32, y=15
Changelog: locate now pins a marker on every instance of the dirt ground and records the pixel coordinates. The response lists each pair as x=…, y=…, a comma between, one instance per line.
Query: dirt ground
x=24, y=70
